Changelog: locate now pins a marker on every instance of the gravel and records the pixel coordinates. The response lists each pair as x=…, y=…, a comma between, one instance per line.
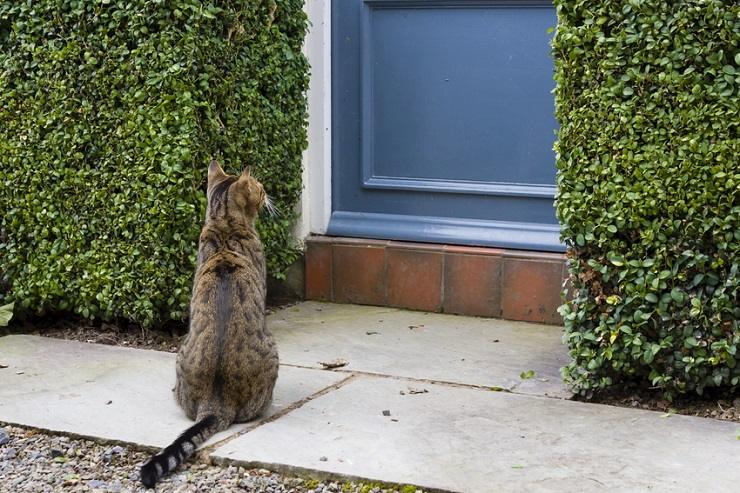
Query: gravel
x=37, y=462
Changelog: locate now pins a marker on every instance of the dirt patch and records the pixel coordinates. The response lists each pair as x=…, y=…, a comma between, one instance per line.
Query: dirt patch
x=724, y=406
x=126, y=334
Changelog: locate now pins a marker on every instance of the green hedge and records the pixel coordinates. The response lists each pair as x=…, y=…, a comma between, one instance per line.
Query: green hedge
x=648, y=98
x=109, y=114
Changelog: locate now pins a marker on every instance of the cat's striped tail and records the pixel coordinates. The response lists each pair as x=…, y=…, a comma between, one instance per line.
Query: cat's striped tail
x=176, y=453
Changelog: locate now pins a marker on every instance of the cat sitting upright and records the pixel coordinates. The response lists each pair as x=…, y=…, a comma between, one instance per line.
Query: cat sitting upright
x=228, y=363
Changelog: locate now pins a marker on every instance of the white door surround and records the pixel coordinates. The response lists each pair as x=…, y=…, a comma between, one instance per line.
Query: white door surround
x=315, y=204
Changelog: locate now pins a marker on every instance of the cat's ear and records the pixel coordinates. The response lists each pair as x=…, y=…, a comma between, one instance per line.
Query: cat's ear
x=215, y=171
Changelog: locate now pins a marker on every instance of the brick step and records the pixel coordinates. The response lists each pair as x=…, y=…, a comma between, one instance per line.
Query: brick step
x=487, y=282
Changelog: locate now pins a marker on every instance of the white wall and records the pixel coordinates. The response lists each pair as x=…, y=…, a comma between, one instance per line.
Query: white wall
x=315, y=204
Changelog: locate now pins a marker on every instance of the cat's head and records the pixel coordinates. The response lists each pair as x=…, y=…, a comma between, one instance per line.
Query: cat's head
x=234, y=198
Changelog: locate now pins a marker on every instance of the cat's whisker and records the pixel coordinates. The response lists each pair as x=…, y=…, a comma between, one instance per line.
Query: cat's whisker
x=272, y=209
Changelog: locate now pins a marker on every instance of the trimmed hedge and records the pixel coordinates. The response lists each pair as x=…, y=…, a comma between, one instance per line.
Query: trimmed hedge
x=648, y=98
x=109, y=114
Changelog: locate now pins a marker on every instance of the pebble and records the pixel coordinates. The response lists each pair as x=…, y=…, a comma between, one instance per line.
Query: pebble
x=96, y=483
x=4, y=438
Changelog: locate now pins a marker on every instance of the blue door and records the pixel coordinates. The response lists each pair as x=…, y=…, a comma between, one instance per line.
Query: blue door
x=443, y=122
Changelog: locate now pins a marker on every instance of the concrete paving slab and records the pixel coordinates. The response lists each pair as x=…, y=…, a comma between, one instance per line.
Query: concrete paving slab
x=114, y=393
x=450, y=348
x=472, y=440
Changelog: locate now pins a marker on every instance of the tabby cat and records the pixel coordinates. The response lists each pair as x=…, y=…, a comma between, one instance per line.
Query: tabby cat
x=228, y=363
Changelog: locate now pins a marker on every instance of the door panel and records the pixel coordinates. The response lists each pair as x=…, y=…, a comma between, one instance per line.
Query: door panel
x=443, y=122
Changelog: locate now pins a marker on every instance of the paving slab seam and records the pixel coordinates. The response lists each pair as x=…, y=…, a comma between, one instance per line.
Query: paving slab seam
x=489, y=388
x=321, y=475
x=206, y=451
x=82, y=436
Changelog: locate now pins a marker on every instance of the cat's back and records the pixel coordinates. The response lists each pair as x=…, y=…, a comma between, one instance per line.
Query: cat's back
x=229, y=287
x=228, y=344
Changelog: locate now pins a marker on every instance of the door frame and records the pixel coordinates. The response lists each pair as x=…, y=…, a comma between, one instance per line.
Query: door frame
x=315, y=204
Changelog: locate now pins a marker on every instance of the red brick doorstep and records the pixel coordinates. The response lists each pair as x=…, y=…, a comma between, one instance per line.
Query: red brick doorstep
x=487, y=282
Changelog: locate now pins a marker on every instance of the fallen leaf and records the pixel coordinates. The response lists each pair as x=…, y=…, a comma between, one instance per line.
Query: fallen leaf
x=386, y=413
x=497, y=389
x=108, y=403
x=517, y=466
x=372, y=333
x=337, y=363
x=420, y=326
x=61, y=459
x=526, y=375
x=413, y=390
x=6, y=313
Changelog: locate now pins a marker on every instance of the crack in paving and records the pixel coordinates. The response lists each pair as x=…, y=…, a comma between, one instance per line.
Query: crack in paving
x=490, y=388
